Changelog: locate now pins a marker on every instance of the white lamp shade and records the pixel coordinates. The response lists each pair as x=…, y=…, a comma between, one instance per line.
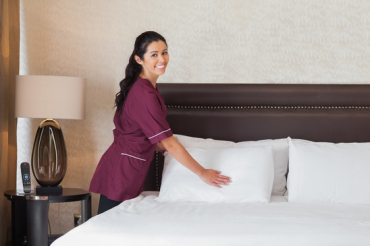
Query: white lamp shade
x=54, y=97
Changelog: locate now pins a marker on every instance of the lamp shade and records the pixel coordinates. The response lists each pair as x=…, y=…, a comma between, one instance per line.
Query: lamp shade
x=56, y=97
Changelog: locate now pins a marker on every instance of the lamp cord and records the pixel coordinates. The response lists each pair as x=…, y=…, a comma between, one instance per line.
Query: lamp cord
x=49, y=220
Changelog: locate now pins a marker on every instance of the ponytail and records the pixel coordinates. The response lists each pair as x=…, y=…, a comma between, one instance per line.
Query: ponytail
x=134, y=69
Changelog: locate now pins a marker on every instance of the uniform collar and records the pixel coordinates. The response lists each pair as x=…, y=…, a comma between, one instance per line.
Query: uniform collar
x=147, y=81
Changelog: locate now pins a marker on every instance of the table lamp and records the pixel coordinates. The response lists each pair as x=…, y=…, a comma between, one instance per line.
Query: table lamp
x=49, y=97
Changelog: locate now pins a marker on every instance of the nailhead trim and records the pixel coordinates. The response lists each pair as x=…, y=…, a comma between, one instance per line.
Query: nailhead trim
x=156, y=170
x=270, y=107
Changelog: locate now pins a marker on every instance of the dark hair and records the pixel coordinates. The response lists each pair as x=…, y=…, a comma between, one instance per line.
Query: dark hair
x=133, y=68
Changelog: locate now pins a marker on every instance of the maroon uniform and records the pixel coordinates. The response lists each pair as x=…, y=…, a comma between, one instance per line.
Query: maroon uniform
x=122, y=169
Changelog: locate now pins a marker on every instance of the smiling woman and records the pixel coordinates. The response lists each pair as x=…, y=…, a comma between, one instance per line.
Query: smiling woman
x=155, y=61
x=141, y=129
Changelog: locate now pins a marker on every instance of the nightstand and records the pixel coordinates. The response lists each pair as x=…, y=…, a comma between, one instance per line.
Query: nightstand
x=30, y=213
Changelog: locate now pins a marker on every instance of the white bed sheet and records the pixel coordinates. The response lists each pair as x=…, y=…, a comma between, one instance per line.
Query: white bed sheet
x=143, y=221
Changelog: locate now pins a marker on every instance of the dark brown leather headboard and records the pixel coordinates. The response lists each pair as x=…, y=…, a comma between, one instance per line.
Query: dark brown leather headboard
x=241, y=112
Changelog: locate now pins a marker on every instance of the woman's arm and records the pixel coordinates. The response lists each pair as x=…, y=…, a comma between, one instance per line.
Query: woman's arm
x=209, y=176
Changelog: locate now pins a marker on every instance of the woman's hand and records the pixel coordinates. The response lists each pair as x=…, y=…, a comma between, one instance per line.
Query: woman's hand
x=214, y=178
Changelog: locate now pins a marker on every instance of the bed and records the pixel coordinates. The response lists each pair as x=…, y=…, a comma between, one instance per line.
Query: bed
x=318, y=195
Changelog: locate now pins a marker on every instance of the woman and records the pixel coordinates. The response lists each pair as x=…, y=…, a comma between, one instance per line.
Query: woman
x=141, y=128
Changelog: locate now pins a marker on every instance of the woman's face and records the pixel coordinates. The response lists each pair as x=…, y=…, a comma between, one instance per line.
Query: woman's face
x=155, y=59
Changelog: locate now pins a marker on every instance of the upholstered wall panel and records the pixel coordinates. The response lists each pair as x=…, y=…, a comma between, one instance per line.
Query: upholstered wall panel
x=267, y=41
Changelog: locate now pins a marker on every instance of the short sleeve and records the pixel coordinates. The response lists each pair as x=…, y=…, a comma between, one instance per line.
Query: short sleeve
x=150, y=114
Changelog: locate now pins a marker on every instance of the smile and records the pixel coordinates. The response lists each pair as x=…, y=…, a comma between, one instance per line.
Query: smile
x=160, y=67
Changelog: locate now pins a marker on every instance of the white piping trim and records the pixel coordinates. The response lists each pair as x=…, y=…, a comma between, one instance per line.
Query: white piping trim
x=133, y=156
x=160, y=133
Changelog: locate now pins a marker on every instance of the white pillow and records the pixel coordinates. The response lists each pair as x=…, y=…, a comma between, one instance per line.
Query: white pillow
x=251, y=170
x=281, y=154
x=329, y=173
x=192, y=142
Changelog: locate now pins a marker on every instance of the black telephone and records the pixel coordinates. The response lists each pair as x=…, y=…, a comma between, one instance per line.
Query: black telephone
x=26, y=177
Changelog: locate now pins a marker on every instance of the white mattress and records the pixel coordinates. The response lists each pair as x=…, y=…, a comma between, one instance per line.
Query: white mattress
x=143, y=221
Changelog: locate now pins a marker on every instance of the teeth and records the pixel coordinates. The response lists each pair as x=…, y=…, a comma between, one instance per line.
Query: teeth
x=160, y=66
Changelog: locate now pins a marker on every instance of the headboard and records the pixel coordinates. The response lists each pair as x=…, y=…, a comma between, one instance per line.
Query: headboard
x=242, y=112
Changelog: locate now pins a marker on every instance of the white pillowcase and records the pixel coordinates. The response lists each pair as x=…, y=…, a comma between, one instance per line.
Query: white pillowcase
x=251, y=170
x=329, y=173
x=203, y=143
x=281, y=154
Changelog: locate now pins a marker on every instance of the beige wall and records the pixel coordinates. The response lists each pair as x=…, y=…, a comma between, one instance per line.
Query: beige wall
x=265, y=41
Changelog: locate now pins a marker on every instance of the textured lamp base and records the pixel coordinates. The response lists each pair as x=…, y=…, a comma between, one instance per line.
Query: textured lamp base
x=49, y=190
